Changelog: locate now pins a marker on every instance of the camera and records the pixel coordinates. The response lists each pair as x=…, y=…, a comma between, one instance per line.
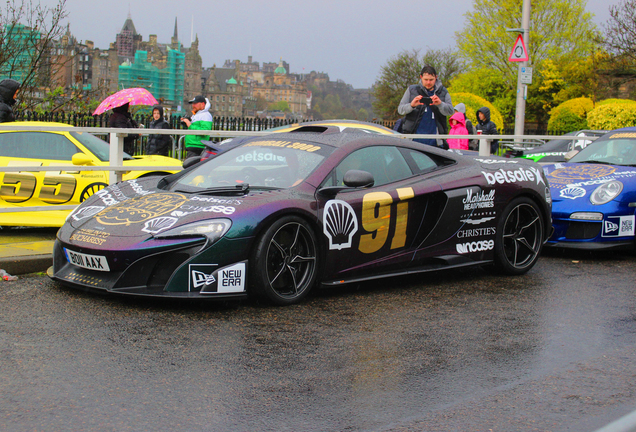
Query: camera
x=426, y=99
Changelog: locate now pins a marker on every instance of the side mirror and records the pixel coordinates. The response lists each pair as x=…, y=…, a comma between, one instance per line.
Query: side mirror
x=352, y=179
x=569, y=155
x=358, y=178
x=81, y=159
x=191, y=161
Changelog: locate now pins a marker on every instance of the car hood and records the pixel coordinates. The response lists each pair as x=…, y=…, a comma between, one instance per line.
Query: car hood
x=133, y=212
x=571, y=181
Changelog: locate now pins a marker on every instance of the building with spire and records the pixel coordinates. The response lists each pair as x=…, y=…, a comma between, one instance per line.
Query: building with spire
x=171, y=72
x=127, y=40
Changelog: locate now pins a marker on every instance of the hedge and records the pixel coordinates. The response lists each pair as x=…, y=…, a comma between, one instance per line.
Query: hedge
x=571, y=115
x=612, y=116
x=473, y=103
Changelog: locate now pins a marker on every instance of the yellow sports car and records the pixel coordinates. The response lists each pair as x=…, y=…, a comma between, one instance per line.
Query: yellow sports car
x=51, y=188
x=341, y=123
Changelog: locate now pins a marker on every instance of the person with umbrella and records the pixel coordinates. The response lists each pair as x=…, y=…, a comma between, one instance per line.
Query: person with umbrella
x=121, y=118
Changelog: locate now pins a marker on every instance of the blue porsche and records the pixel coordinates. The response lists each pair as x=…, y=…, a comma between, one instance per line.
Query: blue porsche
x=594, y=194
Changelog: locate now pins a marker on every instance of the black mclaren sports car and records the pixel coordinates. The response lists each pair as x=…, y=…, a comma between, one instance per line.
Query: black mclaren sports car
x=282, y=213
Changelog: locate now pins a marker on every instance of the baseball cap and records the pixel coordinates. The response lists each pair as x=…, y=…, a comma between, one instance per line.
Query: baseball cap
x=197, y=99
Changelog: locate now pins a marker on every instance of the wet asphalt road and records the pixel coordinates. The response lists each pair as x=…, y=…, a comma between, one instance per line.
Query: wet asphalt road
x=553, y=350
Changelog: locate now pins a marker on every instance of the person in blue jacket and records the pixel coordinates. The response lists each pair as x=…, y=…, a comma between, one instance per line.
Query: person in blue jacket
x=426, y=106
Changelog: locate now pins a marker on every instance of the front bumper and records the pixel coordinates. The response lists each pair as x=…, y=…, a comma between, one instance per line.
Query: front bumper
x=182, y=271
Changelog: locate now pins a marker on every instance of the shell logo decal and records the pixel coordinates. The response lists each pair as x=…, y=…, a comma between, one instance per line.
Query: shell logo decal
x=339, y=224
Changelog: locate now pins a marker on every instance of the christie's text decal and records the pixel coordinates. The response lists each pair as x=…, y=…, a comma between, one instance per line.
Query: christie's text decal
x=477, y=232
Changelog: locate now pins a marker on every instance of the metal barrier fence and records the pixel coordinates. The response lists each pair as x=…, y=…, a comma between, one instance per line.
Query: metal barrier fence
x=116, y=140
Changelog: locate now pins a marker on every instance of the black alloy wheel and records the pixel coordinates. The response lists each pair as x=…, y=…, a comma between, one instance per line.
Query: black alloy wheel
x=284, y=263
x=519, y=237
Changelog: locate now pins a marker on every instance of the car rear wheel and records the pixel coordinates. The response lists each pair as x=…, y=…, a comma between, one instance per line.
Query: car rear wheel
x=284, y=262
x=519, y=237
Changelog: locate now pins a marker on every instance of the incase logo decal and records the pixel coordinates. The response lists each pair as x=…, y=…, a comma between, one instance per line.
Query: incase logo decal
x=478, y=246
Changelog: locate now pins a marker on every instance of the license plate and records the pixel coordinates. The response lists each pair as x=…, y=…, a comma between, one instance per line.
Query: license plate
x=91, y=262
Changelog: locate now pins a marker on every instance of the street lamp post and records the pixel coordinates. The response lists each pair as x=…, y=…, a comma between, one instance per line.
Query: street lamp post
x=522, y=89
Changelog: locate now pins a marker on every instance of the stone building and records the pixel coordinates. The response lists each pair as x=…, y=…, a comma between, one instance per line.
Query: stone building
x=225, y=92
x=279, y=86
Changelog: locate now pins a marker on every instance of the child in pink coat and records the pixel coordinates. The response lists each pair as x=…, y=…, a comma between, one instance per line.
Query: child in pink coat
x=458, y=127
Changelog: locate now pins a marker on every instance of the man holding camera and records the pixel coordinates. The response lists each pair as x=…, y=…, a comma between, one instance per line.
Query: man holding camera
x=201, y=120
x=425, y=106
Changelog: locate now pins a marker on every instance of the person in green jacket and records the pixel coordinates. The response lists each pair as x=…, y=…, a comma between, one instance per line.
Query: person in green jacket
x=201, y=120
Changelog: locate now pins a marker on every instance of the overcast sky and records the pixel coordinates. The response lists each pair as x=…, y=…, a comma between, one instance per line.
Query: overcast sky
x=348, y=39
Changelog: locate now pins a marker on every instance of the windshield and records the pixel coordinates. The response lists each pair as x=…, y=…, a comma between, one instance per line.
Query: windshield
x=261, y=164
x=100, y=148
x=619, y=149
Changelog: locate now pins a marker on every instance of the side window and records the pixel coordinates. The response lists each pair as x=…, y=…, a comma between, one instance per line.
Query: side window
x=37, y=145
x=422, y=161
x=386, y=163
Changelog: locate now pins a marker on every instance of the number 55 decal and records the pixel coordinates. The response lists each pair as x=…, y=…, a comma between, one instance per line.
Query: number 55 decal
x=377, y=217
x=57, y=188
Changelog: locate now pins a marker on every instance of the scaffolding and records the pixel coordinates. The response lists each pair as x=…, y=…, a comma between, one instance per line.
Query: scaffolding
x=165, y=84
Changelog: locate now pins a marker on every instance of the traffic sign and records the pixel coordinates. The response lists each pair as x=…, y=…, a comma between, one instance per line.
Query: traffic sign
x=526, y=75
x=519, y=52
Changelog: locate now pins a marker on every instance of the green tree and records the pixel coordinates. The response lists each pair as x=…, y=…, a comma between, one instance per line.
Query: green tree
x=363, y=114
x=561, y=31
x=279, y=106
x=404, y=70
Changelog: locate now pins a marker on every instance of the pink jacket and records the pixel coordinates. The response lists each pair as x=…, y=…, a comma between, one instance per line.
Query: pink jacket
x=458, y=129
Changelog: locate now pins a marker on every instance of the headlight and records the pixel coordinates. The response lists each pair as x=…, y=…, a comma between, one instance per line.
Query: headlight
x=213, y=229
x=606, y=192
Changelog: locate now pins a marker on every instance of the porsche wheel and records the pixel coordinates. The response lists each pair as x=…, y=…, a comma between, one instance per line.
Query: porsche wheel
x=519, y=237
x=284, y=262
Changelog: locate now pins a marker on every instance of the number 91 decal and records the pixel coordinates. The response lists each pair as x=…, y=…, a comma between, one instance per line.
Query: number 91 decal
x=377, y=216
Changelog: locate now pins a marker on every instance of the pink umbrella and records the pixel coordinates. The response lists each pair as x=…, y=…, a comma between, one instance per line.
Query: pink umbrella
x=133, y=96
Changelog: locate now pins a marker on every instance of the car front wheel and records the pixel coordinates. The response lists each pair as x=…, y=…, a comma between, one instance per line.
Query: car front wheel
x=284, y=262
x=519, y=237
